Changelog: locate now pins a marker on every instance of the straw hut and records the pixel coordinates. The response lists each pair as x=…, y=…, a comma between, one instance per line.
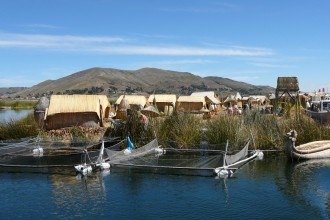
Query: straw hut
x=136, y=102
x=257, y=101
x=193, y=104
x=287, y=86
x=77, y=110
x=122, y=108
x=165, y=102
x=211, y=99
x=234, y=101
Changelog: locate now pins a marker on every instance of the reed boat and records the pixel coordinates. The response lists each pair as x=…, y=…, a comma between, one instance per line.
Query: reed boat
x=311, y=150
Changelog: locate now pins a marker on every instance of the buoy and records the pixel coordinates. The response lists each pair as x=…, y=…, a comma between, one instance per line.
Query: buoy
x=39, y=151
x=127, y=151
x=159, y=151
x=104, y=166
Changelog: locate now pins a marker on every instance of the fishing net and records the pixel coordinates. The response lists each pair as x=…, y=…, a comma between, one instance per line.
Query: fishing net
x=151, y=158
x=121, y=156
x=231, y=159
x=32, y=153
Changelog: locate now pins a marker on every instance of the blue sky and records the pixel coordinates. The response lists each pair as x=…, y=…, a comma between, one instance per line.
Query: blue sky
x=253, y=41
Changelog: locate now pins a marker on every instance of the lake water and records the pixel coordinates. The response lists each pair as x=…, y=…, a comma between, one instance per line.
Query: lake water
x=10, y=114
x=273, y=188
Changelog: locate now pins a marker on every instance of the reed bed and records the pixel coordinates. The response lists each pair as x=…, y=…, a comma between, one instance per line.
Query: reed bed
x=14, y=104
x=17, y=129
x=183, y=130
x=265, y=131
x=180, y=130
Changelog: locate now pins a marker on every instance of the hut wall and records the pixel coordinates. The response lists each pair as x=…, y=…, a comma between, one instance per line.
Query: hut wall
x=121, y=114
x=168, y=110
x=61, y=120
x=161, y=106
x=190, y=106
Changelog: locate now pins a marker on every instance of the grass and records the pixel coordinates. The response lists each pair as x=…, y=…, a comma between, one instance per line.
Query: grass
x=14, y=104
x=266, y=131
x=16, y=129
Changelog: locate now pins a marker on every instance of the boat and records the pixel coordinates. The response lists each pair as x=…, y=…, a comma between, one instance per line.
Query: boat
x=231, y=163
x=311, y=150
x=319, y=109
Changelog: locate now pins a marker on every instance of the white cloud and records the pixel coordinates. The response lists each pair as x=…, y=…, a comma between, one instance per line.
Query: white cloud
x=181, y=51
x=38, y=40
x=119, y=45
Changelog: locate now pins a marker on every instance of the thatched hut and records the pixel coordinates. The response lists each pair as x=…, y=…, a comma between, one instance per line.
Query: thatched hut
x=122, y=108
x=193, y=104
x=211, y=99
x=165, y=102
x=77, y=110
x=287, y=86
x=234, y=101
x=136, y=102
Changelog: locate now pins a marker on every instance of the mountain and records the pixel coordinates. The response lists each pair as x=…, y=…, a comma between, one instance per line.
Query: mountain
x=146, y=80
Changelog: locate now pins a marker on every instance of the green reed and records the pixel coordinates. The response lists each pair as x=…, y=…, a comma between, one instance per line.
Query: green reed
x=18, y=104
x=16, y=129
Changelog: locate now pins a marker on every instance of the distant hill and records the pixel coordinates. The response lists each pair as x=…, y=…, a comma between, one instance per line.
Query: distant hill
x=11, y=90
x=147, y=80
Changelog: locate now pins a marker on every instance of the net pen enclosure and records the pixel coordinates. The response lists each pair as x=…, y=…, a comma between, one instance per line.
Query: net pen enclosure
x=31, y=155
x=171, y=161
x=203, y=161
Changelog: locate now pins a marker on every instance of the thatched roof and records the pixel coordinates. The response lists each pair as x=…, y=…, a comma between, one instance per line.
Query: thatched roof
x=287, y=84
x=238, y=96
x=124, y=104
x=200, y=99
x=210, y=96
x=230, y=98
x=168, y=98
x=260, y=98
x=150, y=111
x=77, y=103
x=133, y=99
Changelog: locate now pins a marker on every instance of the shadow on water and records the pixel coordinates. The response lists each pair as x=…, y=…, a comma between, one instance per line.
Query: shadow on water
x=302, y=182
x=307, y=181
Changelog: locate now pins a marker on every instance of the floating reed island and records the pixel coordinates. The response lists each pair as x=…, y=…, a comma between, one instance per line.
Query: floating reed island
x=176, y=122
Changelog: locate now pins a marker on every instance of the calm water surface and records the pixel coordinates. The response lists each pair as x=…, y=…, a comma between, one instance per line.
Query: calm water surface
x=10, y=114
x=274, y=188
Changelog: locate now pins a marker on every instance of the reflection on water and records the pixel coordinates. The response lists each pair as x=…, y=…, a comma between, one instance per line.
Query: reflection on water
x=309, y=182
x=74, y=195
x=275, y=188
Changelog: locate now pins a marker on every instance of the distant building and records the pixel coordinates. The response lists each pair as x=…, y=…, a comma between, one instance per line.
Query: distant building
x=165, y=102
x=193, y=104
